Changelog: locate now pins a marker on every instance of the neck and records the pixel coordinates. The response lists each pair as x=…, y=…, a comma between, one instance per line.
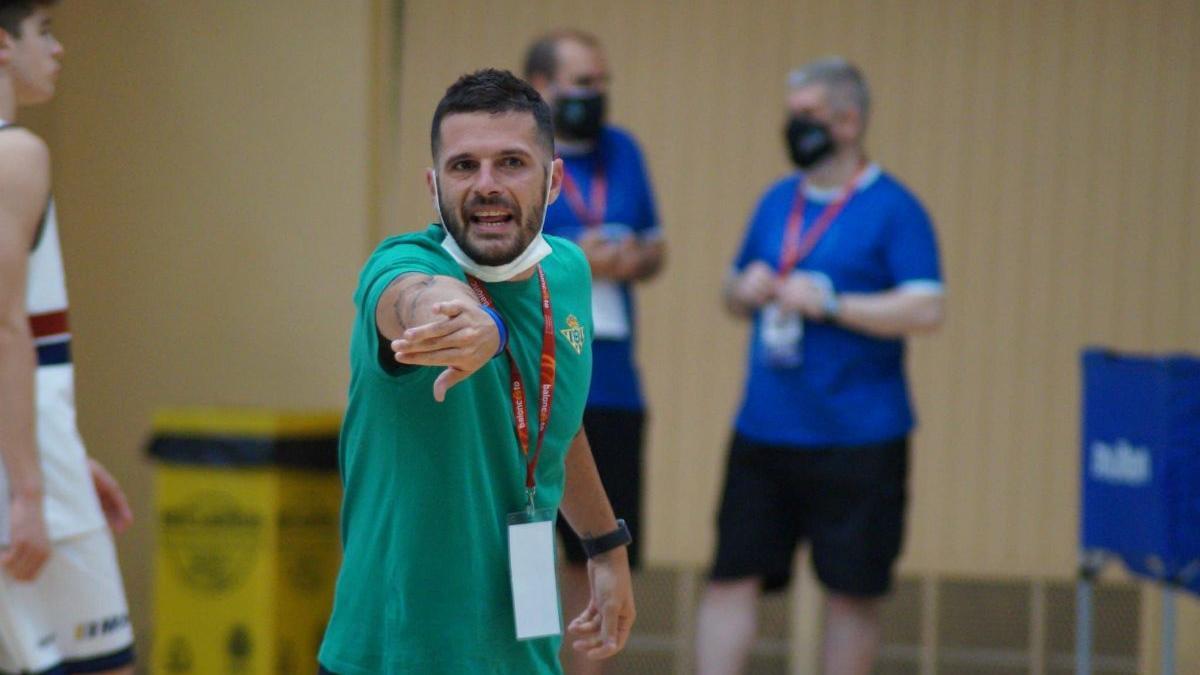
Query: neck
x=838, y=169
x=527, y=274
x=8, y=101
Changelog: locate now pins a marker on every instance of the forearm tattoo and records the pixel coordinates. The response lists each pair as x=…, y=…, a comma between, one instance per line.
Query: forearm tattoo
x=409, y=296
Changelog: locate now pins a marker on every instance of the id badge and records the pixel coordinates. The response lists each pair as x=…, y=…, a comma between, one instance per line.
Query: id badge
x=610, y=319
x=533, y=574
x=781, y=334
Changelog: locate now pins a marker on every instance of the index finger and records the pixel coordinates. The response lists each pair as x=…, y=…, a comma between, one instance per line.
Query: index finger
x=426, y=331
x=608, y=633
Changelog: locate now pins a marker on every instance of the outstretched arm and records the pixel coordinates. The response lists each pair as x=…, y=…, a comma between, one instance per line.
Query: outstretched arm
x=24, y=190
x=437, y=321
x=603, y=628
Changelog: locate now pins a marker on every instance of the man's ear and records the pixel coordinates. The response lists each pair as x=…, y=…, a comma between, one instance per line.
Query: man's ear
x=431, y=184
x=556, y=179
x=6, y=45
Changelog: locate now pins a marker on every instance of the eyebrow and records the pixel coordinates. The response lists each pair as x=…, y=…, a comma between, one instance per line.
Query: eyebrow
x=507, y=152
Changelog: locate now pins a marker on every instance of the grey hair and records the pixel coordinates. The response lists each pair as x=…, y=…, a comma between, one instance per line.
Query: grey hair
x=845, y=81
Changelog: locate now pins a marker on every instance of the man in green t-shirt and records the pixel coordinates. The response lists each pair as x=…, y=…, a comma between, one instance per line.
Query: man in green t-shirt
x=470, y=366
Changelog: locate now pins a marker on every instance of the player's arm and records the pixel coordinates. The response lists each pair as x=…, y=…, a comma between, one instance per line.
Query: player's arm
x=434, y=320
x=887, y=314
x=603, y=628
x=24, y=191
x=893, y=313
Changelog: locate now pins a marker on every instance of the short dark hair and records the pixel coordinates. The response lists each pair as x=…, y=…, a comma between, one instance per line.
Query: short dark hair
x=14, y=12
x=493, y=91
x=542, y=57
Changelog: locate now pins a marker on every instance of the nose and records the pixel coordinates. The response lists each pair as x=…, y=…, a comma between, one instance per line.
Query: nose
x=487, y=182
x=56, y=49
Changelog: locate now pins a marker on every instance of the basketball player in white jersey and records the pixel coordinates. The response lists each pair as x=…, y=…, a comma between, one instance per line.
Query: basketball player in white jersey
x=62, y=604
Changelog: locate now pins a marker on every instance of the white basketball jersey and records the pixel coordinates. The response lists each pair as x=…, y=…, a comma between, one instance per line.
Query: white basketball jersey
x=71, y=505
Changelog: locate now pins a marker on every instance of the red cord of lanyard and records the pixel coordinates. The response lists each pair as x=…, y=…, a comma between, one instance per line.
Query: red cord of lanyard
x=592, y=216
x=796, y=247
x=546, y=388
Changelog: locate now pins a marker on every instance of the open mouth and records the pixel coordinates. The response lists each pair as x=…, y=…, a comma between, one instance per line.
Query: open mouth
x=491, y=220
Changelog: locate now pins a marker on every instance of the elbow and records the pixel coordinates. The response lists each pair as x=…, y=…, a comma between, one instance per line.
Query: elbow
x=14, y=332
x=16, y=342
x=929, y=316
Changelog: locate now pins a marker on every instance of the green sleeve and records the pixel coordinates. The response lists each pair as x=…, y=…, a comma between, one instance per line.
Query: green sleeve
x=406, y=254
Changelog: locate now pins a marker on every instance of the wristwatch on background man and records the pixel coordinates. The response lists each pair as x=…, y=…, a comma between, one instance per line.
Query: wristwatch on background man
x=594, y=546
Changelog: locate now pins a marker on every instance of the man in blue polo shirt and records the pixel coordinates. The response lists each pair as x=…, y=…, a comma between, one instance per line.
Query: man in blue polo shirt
x=838, y=266
x=607, y=207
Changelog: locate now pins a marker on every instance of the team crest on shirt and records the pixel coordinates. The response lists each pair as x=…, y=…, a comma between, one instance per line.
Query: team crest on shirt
x=574, y=333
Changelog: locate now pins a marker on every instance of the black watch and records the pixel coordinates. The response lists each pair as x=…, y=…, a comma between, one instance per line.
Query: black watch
x=594, y=546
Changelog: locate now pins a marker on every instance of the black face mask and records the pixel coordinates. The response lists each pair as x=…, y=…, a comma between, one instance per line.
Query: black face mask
x=808, y=141
x=580, y=117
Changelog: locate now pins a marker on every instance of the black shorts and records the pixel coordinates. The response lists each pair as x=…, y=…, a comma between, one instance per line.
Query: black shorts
x=847, y=502
x=616, y=440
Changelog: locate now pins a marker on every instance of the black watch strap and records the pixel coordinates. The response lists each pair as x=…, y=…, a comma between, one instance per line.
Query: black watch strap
x=595, y=546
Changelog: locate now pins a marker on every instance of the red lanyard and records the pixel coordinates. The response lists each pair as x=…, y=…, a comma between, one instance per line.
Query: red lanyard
x=796, y=247
x=520, y=408
x=593, y=216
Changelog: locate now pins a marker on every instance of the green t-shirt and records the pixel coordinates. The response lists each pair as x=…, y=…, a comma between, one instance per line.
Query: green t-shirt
x=424, y=585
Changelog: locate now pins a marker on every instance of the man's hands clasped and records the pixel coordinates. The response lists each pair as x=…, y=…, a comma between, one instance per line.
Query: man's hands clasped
x=463, y=338
x=801, y=292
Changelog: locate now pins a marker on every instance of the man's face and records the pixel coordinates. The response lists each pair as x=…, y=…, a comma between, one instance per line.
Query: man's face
x=812, y=101
x=581, y=69
x=491, y=174
x=32, y=59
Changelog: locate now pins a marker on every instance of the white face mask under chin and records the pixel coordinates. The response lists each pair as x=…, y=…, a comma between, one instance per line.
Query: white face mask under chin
x=537, y=249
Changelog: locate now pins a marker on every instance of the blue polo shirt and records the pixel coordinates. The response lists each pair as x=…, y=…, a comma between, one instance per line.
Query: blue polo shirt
x=629, y=211
x=850, y=387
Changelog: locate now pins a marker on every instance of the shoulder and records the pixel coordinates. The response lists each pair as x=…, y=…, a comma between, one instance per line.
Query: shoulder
x=420, y=252
x=896, y=194
x=24, y=160
x=423, y=245
x=782, y=189
x=568, y=255
x=620, y=143
x=24, y=180
x=23, y=143
x=572, y=265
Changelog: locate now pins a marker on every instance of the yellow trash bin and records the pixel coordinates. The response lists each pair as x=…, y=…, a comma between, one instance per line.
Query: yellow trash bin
x=248, y=543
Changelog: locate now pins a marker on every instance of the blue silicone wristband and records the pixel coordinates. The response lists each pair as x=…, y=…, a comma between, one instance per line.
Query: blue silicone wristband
x=500, y=327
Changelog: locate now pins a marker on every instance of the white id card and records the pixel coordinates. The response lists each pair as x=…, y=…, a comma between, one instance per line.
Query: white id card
x=531, y=568
x=609, y=318
x=782, y=334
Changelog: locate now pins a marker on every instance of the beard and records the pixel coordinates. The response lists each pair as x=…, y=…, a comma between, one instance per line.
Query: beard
x=488, y=249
